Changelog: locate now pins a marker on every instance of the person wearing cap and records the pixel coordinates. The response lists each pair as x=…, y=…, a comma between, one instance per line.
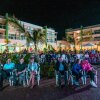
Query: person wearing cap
x=33, y=68
x=61, y=69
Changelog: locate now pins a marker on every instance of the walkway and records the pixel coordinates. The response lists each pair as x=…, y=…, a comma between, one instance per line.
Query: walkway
x=48, y=91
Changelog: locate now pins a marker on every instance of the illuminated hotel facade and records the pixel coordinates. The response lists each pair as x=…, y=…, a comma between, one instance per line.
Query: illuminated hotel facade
x=95, y=36
x=16, y=36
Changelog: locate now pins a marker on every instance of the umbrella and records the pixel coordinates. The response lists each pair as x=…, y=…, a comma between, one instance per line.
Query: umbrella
x=18, y=45
x=9, y=45
x=88, y=45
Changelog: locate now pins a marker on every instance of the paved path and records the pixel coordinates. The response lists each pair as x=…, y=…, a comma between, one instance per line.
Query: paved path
x=48, y=91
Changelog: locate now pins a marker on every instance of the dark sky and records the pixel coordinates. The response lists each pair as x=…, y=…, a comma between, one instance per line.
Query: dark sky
x=58, y=14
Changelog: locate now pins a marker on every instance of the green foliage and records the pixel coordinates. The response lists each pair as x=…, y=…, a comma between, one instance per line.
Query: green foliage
x=70, y=39
x=51, y=71
x=36, y=37
x=44, y=70
x=45, y=50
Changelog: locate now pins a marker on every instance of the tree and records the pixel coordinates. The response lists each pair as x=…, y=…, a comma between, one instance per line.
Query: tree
x=36, y=37
x=84, y=36
x=81, y=36
x=6, y=32
x=71, y=40
x=45, y=33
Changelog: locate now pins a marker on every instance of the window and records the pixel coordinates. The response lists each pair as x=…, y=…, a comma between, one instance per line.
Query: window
x=12, y=36
x=97, y=32
x=1, y=36
x=96, y=38
x=22, y=37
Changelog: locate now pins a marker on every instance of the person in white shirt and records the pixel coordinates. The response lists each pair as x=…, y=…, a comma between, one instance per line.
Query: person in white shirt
x=79, y=56
x=63, y=56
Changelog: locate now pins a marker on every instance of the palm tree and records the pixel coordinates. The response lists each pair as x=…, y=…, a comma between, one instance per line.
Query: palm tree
x=36, y=37
x=45, y=33
x=6, y=32
x=87, y=36
x=21, y=28
x=39, y=35
x=81, y=37
x=71, y=40
x=50, y=48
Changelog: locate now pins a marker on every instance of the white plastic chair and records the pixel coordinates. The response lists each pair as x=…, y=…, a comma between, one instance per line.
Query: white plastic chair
x=12, y=77
x=72, y=78
x=56, y=75
x=37, y=76
x=85, y=76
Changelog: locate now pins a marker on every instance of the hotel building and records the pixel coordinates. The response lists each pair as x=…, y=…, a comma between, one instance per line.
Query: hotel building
x=91, y=34
x=15, y=34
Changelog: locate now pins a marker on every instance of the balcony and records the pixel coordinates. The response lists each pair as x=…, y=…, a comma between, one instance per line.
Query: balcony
x=96, y=32
x=12, y=37
x=2, y=26
x=96, y=38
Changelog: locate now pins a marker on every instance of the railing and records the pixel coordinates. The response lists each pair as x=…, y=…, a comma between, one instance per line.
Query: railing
x=3, y=26
x=12, y=37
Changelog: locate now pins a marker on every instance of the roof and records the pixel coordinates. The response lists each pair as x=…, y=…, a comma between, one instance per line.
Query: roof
x=93, y=26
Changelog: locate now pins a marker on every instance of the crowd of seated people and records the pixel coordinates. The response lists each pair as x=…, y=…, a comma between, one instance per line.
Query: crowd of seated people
x=16, y=73
x=63, y=62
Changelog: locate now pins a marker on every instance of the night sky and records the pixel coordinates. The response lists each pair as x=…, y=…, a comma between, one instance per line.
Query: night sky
x=57, y=14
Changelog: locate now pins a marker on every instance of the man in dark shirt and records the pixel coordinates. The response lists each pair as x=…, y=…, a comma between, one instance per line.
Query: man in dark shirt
x=48, y=58
x=61, y=70
x=21, y=68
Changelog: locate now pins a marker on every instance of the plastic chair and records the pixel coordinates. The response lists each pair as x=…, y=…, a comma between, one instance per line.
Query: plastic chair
x=56, y=75
x=85, y=76
x=37, y=76
x=72, y=77
x=12, y=78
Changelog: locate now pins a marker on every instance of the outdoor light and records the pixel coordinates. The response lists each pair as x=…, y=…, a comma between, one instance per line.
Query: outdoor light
x=78, y=37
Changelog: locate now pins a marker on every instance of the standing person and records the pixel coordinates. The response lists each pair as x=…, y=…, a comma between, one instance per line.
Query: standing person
x=61, y=69
x=21, y=68
x=48, y=58
x=1, y=75
x=33, y=68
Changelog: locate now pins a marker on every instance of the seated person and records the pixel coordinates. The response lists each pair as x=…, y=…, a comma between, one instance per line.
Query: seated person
x=8, y=67
x=88, y=68
x=1, y=75
x=76, y=71
x=33, y=68
x=61, y=69
x=21, y=68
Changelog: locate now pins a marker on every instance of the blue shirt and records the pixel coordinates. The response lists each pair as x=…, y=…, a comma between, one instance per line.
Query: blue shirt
x=76, y=68
x=61, y=67
x=9, y=66
x=33, y=67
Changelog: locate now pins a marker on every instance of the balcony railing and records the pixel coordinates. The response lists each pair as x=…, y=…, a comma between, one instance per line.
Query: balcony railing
x=12, y=37
x=3, y=26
